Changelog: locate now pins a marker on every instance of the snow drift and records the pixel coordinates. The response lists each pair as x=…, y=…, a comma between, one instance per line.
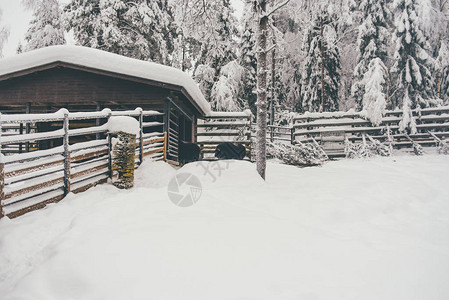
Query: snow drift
x=352, y=229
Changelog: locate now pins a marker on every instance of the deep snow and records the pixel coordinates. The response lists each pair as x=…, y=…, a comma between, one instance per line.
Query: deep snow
x=352, y=229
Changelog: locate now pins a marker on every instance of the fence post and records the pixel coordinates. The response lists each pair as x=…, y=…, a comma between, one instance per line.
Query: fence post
x=109, y=149
x=141, y=137
x=97, y=121
x=292, y=135
x=66, y=154
x=165, y=146
x=167, y=109
x=20, y=132
x=2, y=173
x=27, y=126
x=2, y=187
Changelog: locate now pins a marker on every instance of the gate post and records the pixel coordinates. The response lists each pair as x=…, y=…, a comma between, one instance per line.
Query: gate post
x=124, y=153
x=66, y=154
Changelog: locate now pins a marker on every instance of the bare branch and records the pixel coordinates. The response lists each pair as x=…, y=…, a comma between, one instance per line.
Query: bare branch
x=277, y=8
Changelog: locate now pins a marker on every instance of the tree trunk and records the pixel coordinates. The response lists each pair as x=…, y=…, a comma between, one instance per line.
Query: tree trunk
x=322, y=63
x=273, y=92
x=439, y=74
x=261, y=133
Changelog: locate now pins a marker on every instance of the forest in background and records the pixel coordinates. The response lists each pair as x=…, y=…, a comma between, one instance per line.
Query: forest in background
x=323, y=55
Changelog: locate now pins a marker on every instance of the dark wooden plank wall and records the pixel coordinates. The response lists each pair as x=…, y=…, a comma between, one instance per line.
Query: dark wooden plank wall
x=78, y=90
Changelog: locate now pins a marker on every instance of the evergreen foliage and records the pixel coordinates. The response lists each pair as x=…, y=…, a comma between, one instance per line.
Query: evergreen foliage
x=46, y=28
x=372, y=44
x=412, y=68
x=300, y=154
x=321, y=74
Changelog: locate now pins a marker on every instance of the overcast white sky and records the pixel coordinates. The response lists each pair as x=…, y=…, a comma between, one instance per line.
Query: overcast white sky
x=17, y=18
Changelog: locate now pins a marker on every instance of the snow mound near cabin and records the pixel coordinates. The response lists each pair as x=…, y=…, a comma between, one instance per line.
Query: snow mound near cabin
x=153, y=174
x=224, y=173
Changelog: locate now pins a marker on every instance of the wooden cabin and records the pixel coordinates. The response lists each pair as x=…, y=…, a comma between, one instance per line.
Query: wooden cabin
x=86, y=79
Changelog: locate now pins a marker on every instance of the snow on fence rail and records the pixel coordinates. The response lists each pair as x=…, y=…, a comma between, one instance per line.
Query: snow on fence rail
x=31, y=180
x=221, y=127
x=332, y=129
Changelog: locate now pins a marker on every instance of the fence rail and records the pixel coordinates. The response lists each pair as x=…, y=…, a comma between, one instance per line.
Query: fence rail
x=31, y=180
x=332, y=129
x=223, y=127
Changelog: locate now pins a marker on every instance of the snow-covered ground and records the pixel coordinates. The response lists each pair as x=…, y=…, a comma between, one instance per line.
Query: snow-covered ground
x=352, y=229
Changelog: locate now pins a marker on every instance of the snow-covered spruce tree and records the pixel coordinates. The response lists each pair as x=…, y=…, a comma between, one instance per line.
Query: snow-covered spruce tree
x=83, y=17
x=118, y=34
x=4, y=33
x=153, y=21
x=224, y=94
x=411, y=70
x=216, y=33
x=280, y=85
x=321, y=75
x=442, y=80
x=140, y=29
x=209, y=33
x=46, y=28
x=374, y=97
x=372, y=44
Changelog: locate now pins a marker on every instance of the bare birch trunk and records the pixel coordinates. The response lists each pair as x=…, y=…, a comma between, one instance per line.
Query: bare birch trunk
x=261, y=133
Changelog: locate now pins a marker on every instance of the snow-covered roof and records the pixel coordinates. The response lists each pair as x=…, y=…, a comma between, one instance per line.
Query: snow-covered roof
x=105, y=61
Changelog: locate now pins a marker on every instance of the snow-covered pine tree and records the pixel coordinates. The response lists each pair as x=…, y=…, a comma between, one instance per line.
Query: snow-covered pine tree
x=19, y=48
x=438, y=11
x=140, y=29
x=46, y=28
x=118, y=35
x=372, y=44
x=216, y=32
x=374, y=98
x=411, y=70
x=83, y=17
x=4, y=33
x=224, y=94
x=153, y=22
x=321, y=75
x=442, y=80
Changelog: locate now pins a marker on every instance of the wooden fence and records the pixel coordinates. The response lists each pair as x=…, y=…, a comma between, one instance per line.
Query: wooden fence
x=223, y=127
x=332, y=129
x=31, y=176
x=33, y=179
